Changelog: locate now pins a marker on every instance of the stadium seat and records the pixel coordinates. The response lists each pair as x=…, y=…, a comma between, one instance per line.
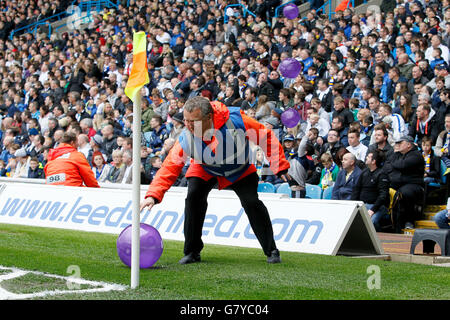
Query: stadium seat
x=327, y=193
x=442, y=178
x=313, y=191
x=284, y=188
x=266, y=187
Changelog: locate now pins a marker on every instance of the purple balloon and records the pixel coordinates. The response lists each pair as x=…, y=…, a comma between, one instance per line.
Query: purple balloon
x=290, y=68
x=290, y=11
x=151, y=246
x=290, y=118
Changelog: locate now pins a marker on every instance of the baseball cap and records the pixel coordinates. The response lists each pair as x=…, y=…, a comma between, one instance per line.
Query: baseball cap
x=405, y=138
x=288, y=137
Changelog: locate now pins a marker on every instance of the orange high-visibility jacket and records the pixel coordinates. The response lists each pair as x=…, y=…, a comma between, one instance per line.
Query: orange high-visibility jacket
x=69, y=167
x=175, y=160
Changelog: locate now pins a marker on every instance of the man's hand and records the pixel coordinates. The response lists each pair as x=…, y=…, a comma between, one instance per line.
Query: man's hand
x=371, y=213
x=148, y=202
x=284, y=175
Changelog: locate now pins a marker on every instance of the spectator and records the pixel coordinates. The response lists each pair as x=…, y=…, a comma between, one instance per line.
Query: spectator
x=35, y=171
x=329, y=172
x=341, y=110
x=338, y=125
x=358, y=149
x=442, y=144
x=83, y=145
x=346, y=178
x=432, y=163
x=71, y=170
x=99, y=166
x=381, y=143
x=155, y=138
x=372, y=188
x=442, y=218
x=424, y=124
x=125, y=176
x=22, y=164
x=109, y=143
x=407, y=178
x=117, y=164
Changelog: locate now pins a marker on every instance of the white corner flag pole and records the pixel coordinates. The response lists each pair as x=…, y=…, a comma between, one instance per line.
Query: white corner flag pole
x=136, y=190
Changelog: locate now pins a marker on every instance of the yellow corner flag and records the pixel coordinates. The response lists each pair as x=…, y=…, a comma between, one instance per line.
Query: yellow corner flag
x=139, y=70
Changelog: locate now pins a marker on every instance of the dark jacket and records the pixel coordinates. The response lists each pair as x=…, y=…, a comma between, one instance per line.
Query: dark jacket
x=407, y=168
x=431, y=129
x=268, y=90
x=38, y=173
x=349, y=87
x=372, y=187
x=342, y=189
x=346, y=114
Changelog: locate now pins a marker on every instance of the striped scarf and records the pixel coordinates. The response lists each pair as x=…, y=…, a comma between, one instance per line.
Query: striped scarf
x=427, y=159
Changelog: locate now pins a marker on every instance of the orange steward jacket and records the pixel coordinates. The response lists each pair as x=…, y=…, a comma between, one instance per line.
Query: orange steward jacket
x=175, y=160
x=69, y=167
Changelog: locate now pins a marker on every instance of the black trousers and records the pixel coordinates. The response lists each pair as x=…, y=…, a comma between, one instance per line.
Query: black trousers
x=196, y=205
x=412, y=194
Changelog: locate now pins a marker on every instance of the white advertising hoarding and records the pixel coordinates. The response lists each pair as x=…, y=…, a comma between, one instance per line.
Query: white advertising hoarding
x=300, y=225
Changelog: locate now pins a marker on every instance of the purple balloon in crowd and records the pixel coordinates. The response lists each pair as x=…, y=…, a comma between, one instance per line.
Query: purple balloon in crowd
x=290, y=68
x=290, y=118
x=290, y=11
x=150, y=250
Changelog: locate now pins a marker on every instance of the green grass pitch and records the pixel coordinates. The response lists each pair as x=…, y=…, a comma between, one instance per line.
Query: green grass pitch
x=225, y=273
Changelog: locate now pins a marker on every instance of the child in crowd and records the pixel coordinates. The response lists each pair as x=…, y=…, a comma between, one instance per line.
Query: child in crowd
x=34, y=171
x=329, y=172
x=432, y=163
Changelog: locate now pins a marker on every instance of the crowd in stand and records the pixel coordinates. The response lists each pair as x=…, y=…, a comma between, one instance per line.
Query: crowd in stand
x=373, y=93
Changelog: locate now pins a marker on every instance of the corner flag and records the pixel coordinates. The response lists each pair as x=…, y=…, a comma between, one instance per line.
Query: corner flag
x=139, y=70
x=137, y=79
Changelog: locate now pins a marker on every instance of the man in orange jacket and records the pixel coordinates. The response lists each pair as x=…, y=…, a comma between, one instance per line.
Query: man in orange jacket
x=217, y=141
x=67, y=166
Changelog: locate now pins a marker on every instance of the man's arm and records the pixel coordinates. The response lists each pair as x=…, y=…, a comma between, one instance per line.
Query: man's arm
x=383, y=191
x=167, y=174
x=86, y=172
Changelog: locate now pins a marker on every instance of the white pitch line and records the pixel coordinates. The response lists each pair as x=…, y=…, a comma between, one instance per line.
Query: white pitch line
x=16, y=273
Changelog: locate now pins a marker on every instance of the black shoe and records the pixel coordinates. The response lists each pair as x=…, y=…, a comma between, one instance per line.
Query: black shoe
x=274, y=257
x=190, y=258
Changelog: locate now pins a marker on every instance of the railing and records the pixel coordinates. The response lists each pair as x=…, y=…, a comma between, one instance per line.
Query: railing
x=277, y=9
x=245, y=12
x=32, y=28
x=328, y=4
x=78, y=6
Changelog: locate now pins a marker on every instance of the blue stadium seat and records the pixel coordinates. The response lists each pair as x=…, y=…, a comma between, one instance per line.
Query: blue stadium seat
x=313, y=191
x=327, y=193
x=442, y=178
x=266, y=187
x=284, y=188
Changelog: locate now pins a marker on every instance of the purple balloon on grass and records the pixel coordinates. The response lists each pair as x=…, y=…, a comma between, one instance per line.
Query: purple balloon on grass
x=290, y=68
x=290, y=11
x=290, y=118
x=151, y=246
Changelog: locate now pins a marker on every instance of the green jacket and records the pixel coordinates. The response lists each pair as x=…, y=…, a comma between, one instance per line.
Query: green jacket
x=146, y=116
